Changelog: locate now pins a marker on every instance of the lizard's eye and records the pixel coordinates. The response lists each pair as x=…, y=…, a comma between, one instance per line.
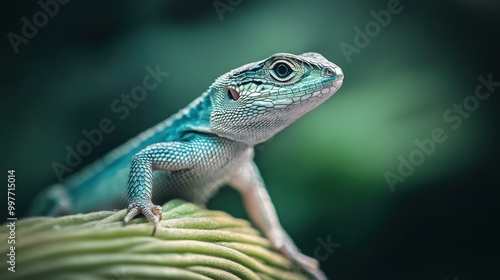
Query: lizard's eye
x=282, y=71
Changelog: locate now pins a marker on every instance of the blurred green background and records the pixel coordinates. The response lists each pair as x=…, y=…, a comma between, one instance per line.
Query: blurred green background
x=325, y=173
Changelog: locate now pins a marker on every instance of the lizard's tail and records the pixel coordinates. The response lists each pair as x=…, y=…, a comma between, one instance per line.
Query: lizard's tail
x=53, y=201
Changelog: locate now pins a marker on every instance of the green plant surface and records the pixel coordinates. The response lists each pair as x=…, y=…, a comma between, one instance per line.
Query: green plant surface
x=191, y=243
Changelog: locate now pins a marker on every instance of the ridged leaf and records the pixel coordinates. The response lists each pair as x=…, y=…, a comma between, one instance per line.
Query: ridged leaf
x=191, y=243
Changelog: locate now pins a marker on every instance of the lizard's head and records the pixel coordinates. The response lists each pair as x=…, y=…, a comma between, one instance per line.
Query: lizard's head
x=254, y=102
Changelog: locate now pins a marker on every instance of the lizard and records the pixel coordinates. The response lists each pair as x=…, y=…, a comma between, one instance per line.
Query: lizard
x=208, y=144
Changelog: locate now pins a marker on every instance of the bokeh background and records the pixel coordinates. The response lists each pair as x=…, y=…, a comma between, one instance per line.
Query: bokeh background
x=325, y=173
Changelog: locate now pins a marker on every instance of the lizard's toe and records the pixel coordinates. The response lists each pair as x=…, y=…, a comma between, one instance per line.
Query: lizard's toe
x=152, y=212
x=305, y=263
x=310, y=266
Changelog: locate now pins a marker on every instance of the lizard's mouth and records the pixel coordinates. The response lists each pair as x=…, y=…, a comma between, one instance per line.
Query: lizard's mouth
x=278, y=100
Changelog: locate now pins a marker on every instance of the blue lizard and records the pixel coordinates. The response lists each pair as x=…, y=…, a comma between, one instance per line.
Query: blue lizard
x=206, y=145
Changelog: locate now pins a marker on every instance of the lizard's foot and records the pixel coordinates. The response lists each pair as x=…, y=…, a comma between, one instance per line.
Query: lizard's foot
x=305, y=263
x=308, y=265
x=152, y=212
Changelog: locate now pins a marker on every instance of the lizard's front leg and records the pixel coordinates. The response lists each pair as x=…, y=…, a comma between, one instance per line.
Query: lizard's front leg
x=248, y=181
x=164, y=156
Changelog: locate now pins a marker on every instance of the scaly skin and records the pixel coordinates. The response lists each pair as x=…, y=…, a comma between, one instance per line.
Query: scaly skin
x=206, y=145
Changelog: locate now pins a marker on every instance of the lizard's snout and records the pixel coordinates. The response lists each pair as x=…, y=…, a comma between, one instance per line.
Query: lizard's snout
x=334, y=71
x=338, y=73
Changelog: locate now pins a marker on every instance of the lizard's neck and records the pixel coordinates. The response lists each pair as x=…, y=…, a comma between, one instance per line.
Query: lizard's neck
x=194, y=117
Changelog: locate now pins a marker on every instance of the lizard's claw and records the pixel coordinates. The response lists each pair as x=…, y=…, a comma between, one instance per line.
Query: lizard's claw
x=305, y=263
x=152, y=212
